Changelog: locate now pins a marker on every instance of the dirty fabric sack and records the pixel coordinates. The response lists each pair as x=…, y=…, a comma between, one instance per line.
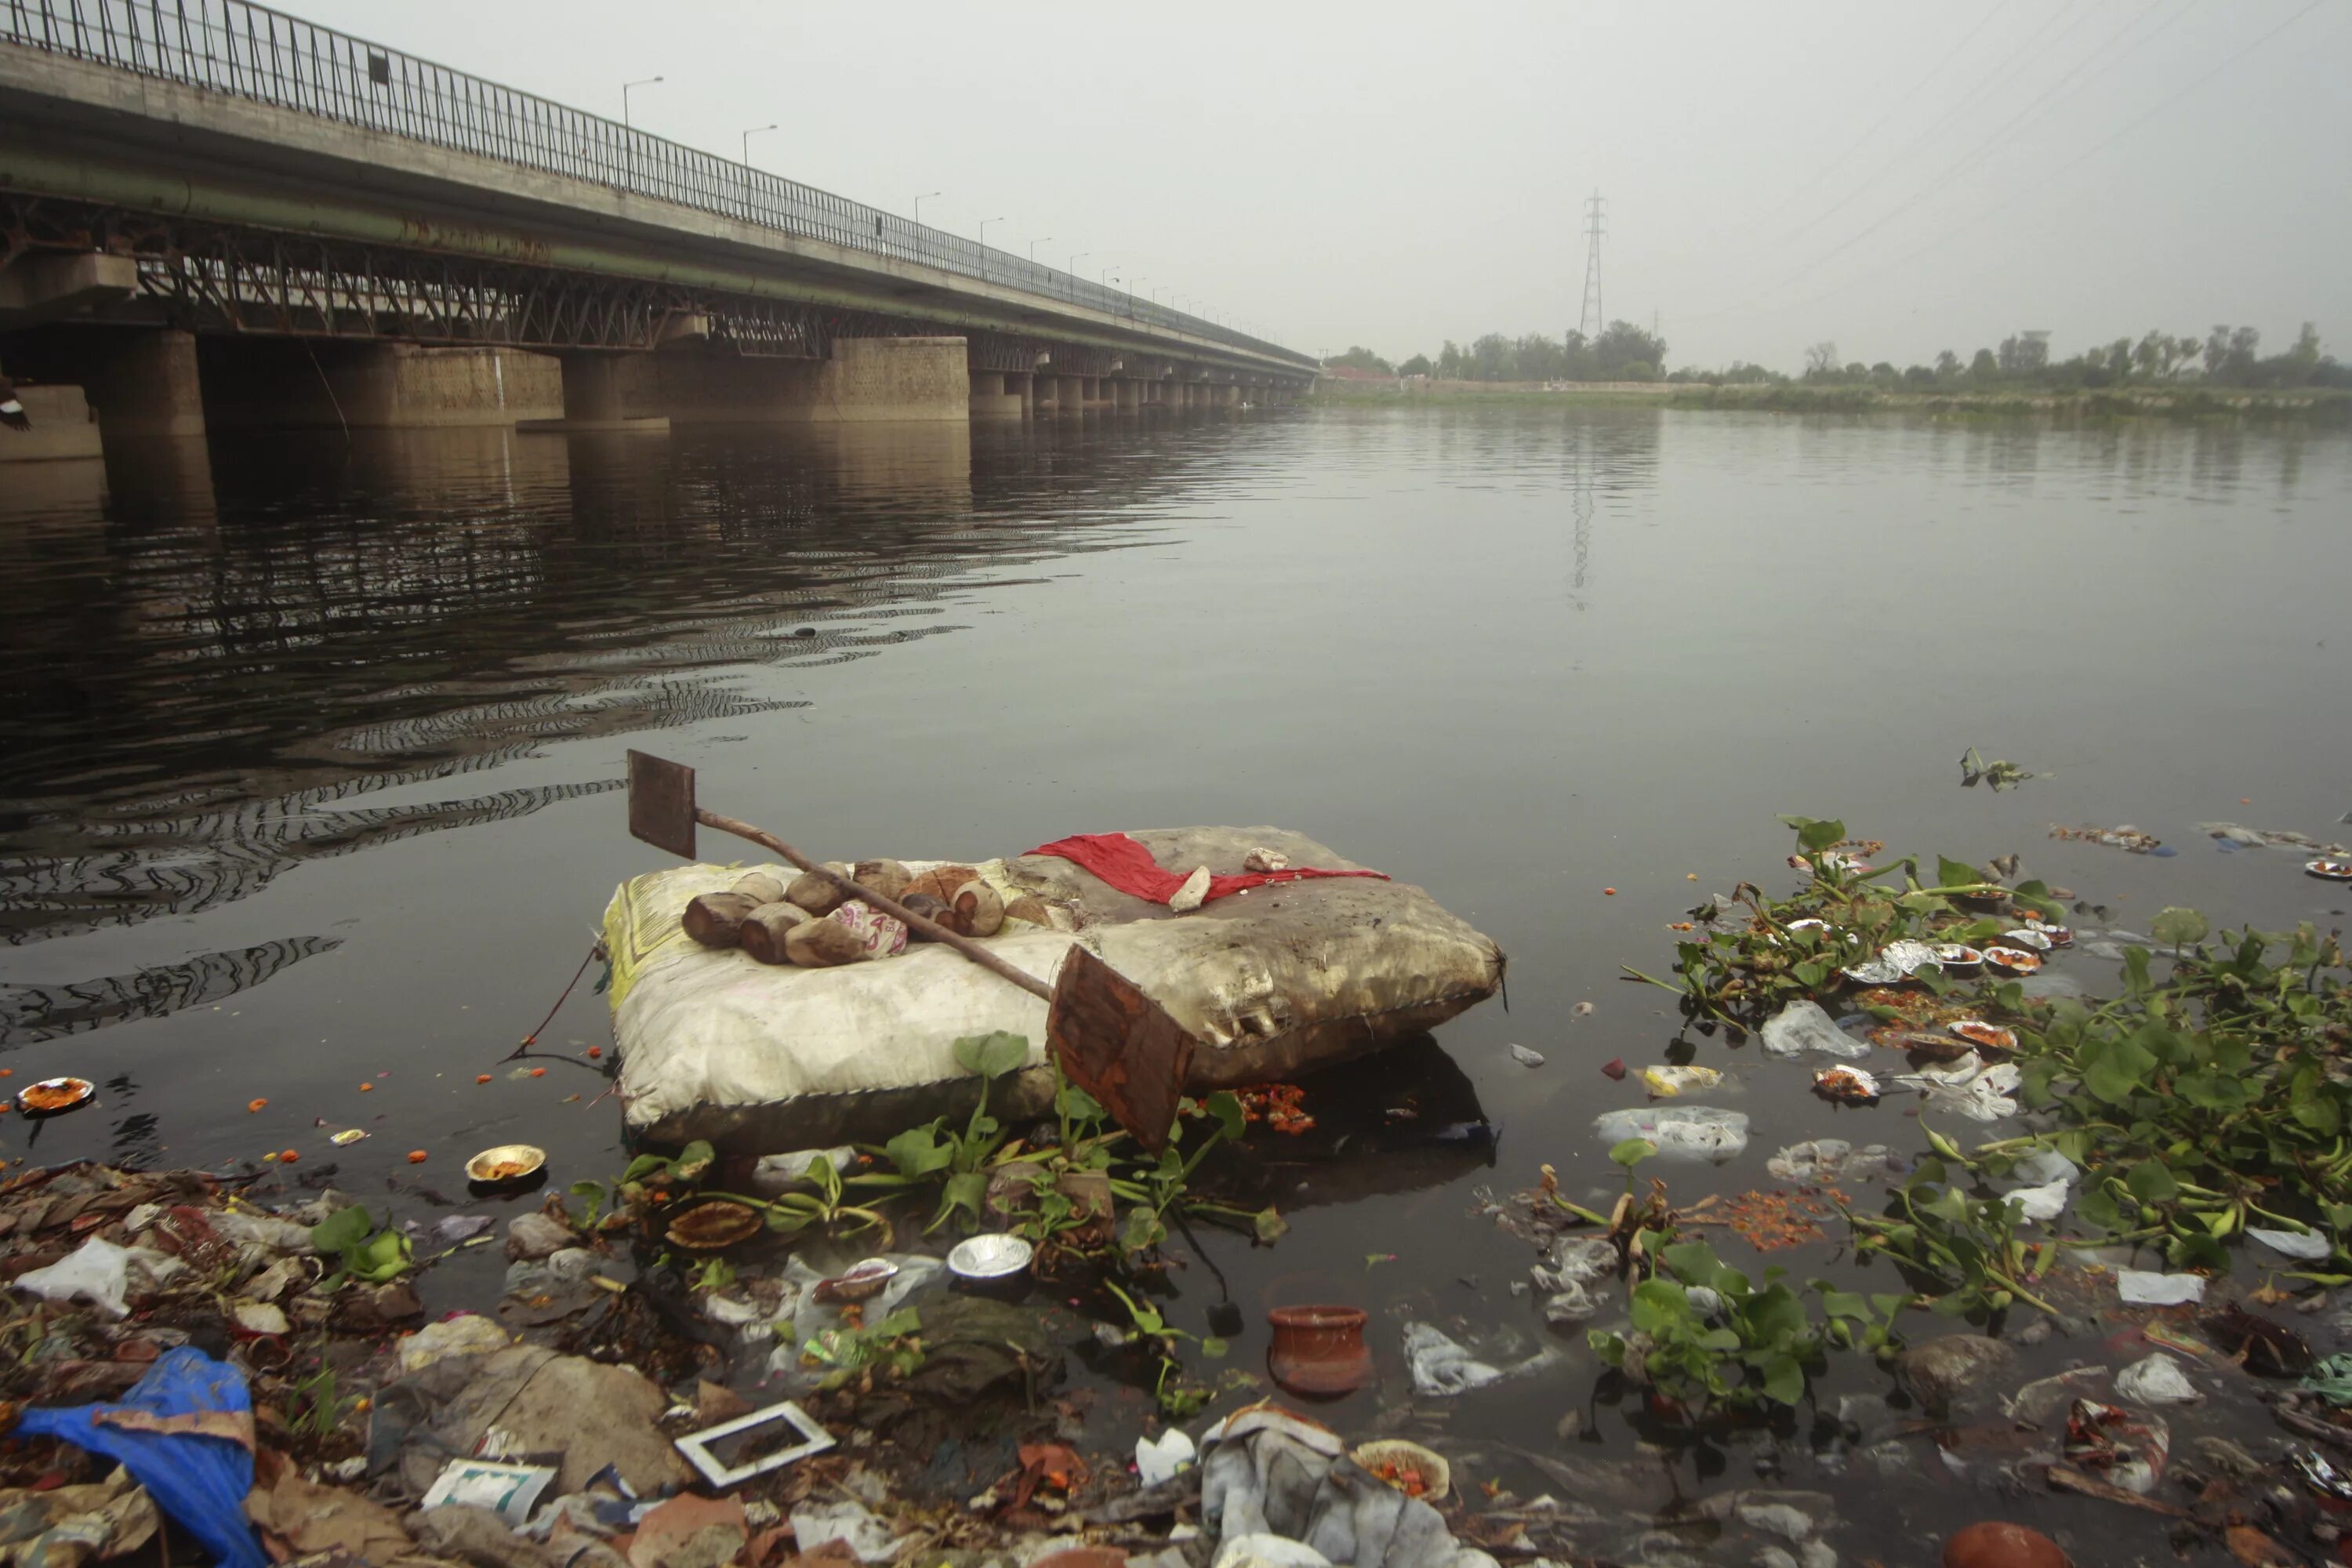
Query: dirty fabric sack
x=1267, y=1472
x=185, y=1433
x=760, y=1058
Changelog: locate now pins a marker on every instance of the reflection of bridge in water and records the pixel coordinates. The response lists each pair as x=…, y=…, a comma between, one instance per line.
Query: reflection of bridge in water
x=204, y=687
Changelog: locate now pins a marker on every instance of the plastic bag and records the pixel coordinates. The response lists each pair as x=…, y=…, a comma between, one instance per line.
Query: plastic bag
x=185, y=1433
x=1680, y=1132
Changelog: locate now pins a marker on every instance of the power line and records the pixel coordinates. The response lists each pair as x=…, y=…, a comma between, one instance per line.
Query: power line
x=1589, y=322
x=2064, y=170
x=1906, y=100
x=1978, y=151
x=1928, y=132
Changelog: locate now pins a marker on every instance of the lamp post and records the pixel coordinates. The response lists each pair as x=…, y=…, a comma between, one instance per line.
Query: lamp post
x=647, y=81
x=919, y=203
x=983, y=229
x=1073, y=260
x=747, y=164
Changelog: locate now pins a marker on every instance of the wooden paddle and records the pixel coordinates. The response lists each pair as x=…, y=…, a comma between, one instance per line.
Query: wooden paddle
x=1112, y=1040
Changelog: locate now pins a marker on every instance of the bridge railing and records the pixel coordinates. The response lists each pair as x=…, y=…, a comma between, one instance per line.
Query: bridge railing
x=253, y=52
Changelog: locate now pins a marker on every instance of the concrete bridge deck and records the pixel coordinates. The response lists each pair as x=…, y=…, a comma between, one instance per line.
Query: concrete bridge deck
x=212, y=167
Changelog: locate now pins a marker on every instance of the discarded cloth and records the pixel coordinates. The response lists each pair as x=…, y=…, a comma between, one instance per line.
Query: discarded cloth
x=1265, y=1471
x=185, y=1433
x=1129, y=866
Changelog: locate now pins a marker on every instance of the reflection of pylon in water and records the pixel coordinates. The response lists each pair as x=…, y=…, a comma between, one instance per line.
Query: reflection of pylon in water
x=1580, y=506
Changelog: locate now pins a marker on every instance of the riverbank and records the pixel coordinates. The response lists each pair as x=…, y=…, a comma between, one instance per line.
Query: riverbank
x=2327, y=407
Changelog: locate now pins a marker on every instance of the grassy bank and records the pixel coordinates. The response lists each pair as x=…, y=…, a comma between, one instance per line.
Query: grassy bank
x=2318, y=408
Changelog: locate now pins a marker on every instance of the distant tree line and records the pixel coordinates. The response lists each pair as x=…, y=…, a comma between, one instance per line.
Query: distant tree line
x=1624, y=353
x=2226, y=356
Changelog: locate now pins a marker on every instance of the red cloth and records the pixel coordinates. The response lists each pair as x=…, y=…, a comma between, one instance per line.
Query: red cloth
x=1129, y=866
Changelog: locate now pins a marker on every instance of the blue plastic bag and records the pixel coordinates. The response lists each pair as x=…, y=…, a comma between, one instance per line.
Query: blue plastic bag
x=198, y=1480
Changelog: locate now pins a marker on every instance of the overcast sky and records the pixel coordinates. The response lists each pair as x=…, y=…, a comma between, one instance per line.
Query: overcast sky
x=1897, y=177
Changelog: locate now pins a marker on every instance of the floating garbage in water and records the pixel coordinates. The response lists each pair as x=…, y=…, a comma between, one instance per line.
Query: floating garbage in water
x=2124, y=838
x=1442, y=1367
x=1159, y=1460
x=2141, y=1288
x=1982, y=1035
x=2156, y=1379
x=1826, y=1160
x=1679, y=1131
x=1969, y=1088
x=2126, y=1450
x=1849, y=1086
x=1802, y=1026
x=2013, y=960
x=2332, y=1379
x=1893, y=964
x=2043, y=1204
x=1668, y=1081
x=1526, y=1058
x=2304, y=1247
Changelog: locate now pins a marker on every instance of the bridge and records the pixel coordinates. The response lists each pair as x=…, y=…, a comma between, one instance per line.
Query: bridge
x=214, y=212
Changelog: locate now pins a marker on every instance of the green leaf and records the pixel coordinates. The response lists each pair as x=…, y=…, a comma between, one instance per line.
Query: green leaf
x=2151, y=1183
x=993, y=1055
x=1813, y=834
x=966, y=1190
x=1784, y=1380
x=1845, y=1304
x=1656, y=1303
x=1214, y=1347
x=1268, y=1226
x=1632, y=1151
x=1953, y=874
x=2177, y=927
x=918, y=1152
x=346, y=1227
x=1775, y=1312
x=2119, y=1072
x=1139, y=1230
x=1695, y=1263
x=897, y=1325
x=694, y=1159
x=1226, y=1107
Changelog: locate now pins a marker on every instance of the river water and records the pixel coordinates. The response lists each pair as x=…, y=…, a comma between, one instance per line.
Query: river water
x=310, y=751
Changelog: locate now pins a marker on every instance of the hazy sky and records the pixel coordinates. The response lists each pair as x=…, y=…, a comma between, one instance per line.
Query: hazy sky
x=1899, y=177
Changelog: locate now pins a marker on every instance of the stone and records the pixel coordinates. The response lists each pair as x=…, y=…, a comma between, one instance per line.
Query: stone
x=536, y=1235
x=1954, y=1372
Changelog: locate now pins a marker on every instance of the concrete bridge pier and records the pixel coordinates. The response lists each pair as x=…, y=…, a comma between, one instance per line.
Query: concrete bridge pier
x=992, y=399
x=1125, y=394
x=1069, y=394
x=1017, y=385
x=593, y=400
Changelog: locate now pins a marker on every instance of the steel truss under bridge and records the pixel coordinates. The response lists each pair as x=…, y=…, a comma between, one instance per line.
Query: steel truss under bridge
x=223, y=278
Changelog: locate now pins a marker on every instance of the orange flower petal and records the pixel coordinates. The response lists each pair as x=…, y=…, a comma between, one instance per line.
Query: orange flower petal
x=255, y=1105
x=289, y=1157
x=538, y=1072
x=481, y=1077
x=417, y=1157
x=367, y=1089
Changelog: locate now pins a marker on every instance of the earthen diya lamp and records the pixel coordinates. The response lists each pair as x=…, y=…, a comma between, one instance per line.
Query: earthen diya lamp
x=1319, y=1352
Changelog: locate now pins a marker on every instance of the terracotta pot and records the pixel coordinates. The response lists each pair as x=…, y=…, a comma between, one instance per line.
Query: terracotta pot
x=1995, y=1544
x=1318, y=1351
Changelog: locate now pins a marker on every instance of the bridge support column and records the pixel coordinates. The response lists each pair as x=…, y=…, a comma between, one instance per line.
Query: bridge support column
x=63, y=426
x=991, y=400
x=1069, y=394
x=1017, y=385
x=593, y=400
x=1123, y=392
x=1093, y=393
x=144, y=384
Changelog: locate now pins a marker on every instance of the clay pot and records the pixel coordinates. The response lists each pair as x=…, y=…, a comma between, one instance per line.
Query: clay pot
x=1995, y=1544
x=1319, y=1352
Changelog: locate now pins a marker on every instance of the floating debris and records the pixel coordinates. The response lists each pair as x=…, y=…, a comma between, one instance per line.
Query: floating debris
x=1849, y=1086
x=2125, y=838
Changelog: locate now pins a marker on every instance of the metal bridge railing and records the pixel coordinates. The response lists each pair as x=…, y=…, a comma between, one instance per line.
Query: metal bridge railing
x=252, y=52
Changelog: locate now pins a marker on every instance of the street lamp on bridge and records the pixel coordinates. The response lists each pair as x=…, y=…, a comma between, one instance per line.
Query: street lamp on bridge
x=1073, y=260
x=919, y=203
x=1035, y=243
x=983, y=229
x=647, y=81
x=747, y=141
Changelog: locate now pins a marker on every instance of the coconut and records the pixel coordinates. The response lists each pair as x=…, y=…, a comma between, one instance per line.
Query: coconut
x=816, y=893
x=928, y=906
x=941, y=882
x=977, y=910
x=888, y=878
x=761, y=888
x=1031, y=907
x=823, y=945
x=716, y=919
x=765, y=929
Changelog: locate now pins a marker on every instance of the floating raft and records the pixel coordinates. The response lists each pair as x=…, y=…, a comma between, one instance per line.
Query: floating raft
x=760, y=1058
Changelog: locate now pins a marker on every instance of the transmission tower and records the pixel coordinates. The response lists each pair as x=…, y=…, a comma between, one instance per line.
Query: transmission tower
x=1592, y=323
